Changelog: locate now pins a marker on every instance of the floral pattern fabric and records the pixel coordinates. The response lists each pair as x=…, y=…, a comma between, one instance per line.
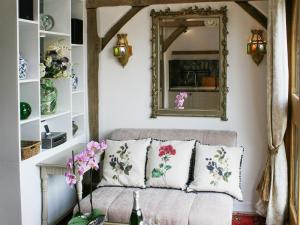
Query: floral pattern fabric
x=165, y=153
x=124, y=163
x=168, y=164
x=217, y=169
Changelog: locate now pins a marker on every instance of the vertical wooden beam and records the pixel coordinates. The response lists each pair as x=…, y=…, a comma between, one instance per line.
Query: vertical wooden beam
x=93, y=46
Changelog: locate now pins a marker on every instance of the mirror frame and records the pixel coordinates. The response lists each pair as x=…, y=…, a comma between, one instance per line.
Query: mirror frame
x=157, y=16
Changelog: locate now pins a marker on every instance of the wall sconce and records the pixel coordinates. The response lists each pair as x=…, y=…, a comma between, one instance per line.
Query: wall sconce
x=122, y=50
x=257, y=46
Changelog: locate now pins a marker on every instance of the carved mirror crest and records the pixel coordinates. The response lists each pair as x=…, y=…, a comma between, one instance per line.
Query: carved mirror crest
x=189, y=62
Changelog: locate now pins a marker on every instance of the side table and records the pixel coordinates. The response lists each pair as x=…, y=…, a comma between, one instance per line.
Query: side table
x=56, y=165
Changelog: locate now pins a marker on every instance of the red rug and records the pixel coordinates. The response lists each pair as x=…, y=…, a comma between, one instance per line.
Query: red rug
x=247, y=219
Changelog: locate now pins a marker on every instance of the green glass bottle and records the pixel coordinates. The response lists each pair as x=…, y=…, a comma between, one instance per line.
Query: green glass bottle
x=136, y=217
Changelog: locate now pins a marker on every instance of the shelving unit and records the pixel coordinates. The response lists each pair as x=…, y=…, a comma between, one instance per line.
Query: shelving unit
x=33, y=43
x=24, y=38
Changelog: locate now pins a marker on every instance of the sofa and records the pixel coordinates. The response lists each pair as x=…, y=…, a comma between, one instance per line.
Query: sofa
x=167, y=206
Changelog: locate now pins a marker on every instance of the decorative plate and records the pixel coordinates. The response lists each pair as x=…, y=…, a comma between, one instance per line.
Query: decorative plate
x=46, y=22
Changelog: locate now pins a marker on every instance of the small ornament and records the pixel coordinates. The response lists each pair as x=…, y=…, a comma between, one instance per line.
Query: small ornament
x=75, y=80
x=46, y=22
x=22, y=68
x=74, y=127
x=25, y=110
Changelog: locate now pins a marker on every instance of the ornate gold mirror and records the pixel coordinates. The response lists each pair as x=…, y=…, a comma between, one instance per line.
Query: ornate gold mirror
x=189, y=62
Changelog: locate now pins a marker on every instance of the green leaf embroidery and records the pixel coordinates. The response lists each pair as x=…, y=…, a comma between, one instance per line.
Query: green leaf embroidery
x=167, y=167
x=156, y=173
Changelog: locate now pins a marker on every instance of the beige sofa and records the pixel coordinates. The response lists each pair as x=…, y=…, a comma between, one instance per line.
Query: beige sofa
x=168, y=206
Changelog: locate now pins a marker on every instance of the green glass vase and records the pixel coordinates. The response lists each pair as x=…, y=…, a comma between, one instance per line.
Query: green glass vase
x=48, y=97
x=25, y=110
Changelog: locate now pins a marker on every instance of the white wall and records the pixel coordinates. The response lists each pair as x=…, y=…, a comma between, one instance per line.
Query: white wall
x=125, y=93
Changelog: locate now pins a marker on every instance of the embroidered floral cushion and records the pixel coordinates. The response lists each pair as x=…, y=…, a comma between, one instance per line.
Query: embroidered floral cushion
x=168, y=164
x=124, y=163
x=217, y=169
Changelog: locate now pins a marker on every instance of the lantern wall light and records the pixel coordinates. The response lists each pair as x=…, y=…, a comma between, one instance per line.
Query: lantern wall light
x=257, y=46
x=122, y=50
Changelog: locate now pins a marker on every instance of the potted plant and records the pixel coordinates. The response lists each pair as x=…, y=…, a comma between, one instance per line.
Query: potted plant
x=77, y=166
x=55, y=65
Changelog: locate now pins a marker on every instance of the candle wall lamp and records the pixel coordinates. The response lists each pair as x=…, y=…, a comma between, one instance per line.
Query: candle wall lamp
x=257, y=46
x=122, y=50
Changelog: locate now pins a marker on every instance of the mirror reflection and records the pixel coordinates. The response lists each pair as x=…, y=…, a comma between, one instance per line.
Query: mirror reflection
x=190, y=70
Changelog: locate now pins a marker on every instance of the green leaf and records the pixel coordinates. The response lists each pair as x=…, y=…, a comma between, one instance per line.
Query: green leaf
x=167, y=167
x=156, y=173
x=118, y=152
x=216, y=156
x=78, y=220
x=161, y=165
x=219, y=151
x=85, y=220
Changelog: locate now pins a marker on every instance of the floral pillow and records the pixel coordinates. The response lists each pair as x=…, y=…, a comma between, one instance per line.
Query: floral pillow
x=168, y=164
x=124, y=163
x=217, y=169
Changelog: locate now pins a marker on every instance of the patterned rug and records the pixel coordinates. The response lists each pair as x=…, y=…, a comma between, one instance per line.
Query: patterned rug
x=247, y=219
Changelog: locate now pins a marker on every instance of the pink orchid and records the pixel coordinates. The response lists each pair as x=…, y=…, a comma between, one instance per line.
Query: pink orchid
x=81, y=170
x=93, y=145
x=89, y=153
x=81, y=158
x=179, y=100
x=70, y=164
x=70, y=178
x=93, y=165
x=103, y=145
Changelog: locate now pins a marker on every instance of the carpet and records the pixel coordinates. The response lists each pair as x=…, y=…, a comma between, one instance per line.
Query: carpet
x=247, y=219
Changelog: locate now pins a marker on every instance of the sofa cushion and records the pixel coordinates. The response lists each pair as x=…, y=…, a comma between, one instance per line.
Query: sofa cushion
x=124, y=163
x=217, y=169
x=168, y=163
x=169, y=207
x=211, y=209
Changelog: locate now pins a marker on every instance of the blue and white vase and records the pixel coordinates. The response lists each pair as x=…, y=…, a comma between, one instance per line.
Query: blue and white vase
x=75, y=81
x=22, y=68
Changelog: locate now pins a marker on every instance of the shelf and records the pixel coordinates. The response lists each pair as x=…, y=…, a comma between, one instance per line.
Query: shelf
x=77, y=114
x=44, y=33
x=33, y=119
x=28, y=81
x=58, y=114
x=77, y=45
x=28, y=21
x=77, y=92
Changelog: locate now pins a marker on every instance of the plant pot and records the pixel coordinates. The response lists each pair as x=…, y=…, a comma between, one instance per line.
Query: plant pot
x=48, y=97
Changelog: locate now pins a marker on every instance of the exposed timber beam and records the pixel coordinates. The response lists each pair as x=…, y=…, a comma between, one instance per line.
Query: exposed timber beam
x=173, y=37
x=93, y=46
x=101, y=3
x=122, y=21
x=255, y=13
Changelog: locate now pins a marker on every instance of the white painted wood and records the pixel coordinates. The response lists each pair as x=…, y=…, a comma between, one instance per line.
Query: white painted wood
x=21, y=35
x=10, y=203
x=60, y=10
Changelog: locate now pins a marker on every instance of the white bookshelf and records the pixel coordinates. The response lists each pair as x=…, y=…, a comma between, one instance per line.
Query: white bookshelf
x=32, y=43
x=24, y=37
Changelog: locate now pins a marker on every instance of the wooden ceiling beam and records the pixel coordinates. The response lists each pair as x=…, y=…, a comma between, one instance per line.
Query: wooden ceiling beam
x=173, y=36
x=102, y=3
x=121, y=22
x=254, y=13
